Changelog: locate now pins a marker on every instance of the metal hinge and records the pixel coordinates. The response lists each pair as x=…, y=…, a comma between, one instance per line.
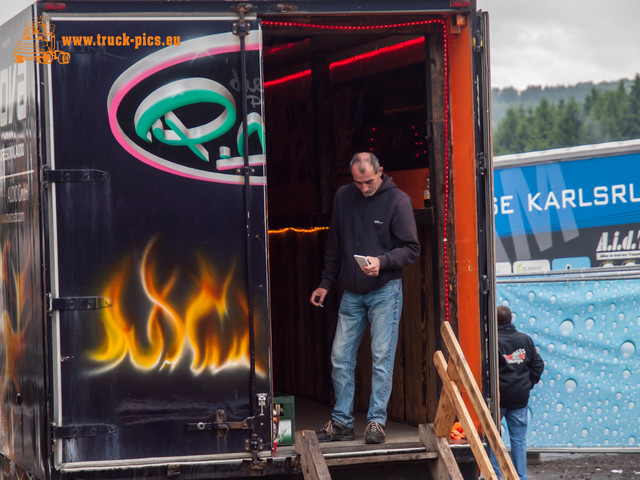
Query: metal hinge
x=78, y=303
x=478, y=44
x=241, y=28
x=429, y=131
x=482, y=164
x=253, y=444
x=73, y=175
x=484, y=281
x=286, y=8
x=77, y=431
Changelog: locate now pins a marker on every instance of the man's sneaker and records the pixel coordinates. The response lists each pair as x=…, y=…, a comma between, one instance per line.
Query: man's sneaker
x=374, y=433
x=334, y=432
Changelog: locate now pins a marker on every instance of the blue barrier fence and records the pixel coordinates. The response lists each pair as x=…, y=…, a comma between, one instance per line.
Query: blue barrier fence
x=586, y=327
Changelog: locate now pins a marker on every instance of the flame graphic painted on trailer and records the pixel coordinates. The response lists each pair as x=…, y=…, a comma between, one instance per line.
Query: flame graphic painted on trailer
x=17, y=297
x=201, y=318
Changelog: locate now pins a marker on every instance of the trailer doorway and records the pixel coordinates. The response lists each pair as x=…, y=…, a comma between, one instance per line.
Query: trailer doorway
x=331, y=90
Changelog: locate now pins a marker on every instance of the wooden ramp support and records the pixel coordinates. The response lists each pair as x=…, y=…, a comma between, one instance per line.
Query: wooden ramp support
x=312, y=461
x=454, y=374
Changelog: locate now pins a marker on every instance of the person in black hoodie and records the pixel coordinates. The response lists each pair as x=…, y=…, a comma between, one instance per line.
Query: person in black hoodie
x=520, y=368
x=371, y=217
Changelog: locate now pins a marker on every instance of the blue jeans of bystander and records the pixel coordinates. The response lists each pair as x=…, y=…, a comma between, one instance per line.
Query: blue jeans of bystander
x=380, y=308
x=517, y=426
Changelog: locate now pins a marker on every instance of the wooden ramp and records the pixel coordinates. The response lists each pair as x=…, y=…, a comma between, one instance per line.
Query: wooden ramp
x=454, y=374
x=312, y=461
x=435, y=437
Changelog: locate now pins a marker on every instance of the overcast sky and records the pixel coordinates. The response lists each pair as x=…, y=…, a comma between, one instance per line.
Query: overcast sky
x=545, y=42
x=562, y=42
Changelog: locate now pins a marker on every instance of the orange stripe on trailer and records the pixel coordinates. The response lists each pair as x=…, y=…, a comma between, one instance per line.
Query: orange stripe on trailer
x=465, y=197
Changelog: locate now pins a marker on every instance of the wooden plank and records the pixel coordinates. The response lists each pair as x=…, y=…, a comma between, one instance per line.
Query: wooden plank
x=337, y=449
x=301, y=356
x=446, y=414
x=446, y=468
x=452, y=391
x=475, y=396
x=367, y=459
x=413, y=337
x=281, y=311
x=324, y=147
x=428, y=282
x=306, y=340
x=311, y=459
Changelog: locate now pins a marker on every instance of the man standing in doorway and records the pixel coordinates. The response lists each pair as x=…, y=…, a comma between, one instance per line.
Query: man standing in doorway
x=371, y=217
x=520, y=368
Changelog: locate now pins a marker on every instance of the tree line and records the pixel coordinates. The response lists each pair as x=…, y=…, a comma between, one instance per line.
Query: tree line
x=605, y=115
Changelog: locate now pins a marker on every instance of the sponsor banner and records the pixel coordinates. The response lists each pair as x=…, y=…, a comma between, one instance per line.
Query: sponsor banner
x=569, y=214
x=567, y=196
x=591, y=247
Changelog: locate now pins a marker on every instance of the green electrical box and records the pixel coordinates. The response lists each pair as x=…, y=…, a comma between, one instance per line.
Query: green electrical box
x=285, y=414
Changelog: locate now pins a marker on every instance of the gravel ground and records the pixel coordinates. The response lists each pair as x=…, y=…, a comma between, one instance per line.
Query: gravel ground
x=585, y=466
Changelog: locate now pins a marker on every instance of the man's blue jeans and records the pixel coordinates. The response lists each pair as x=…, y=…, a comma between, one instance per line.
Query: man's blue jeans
x=517, y=425
x=380, y=308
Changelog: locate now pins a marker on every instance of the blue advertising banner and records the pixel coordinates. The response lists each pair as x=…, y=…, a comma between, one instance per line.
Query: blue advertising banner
x=567, y=196
x=558, y=213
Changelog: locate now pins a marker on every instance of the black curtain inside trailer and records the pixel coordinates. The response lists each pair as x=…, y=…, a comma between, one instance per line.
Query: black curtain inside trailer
x=328, y=95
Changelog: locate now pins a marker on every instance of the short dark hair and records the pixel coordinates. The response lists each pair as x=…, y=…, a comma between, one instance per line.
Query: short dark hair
x=362, y=158
x=504, y=315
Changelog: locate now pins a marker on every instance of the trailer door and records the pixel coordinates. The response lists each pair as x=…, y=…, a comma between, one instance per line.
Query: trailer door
x=486, y=232
x=157, y=238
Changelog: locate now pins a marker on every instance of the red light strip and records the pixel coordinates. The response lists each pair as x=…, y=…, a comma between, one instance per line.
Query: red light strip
x=379, y=51
x=269, y=23
x=286, y=46
x=446, y=166
x=54, y=6
x=446, y=111
x=347, y=61
x=288, y=78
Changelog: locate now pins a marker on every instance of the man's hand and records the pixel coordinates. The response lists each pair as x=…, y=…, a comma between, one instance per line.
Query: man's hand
x=317, y=297
x=373, y=269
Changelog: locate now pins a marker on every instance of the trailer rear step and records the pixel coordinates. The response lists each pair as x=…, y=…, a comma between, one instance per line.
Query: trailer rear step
x=403, y=444
x=346, y=455
x=315, y=459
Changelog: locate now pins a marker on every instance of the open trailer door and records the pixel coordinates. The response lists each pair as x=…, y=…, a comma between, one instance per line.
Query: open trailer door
x=157, y=239
x=484, y=188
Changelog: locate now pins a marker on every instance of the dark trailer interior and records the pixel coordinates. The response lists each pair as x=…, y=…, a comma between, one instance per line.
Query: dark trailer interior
x=333, y=87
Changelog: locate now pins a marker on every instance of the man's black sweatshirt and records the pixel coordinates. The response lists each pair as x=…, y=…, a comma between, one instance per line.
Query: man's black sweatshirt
x=520, y=365
x=382, y=225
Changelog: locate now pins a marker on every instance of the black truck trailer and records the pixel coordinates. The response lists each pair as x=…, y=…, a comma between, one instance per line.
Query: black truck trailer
x=167, y=175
